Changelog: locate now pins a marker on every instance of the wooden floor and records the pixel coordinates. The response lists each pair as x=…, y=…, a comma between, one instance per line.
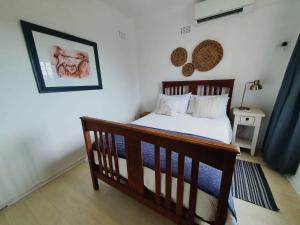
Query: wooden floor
x=70, y=200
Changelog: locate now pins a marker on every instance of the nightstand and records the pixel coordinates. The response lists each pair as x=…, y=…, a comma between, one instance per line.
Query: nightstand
x=250, y=118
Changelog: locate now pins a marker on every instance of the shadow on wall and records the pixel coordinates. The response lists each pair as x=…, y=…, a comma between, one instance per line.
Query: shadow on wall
x=26, y=169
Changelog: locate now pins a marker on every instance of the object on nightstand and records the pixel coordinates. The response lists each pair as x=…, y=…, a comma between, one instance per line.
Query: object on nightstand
x=254, y=87
x=144, y=114
x=250, y=118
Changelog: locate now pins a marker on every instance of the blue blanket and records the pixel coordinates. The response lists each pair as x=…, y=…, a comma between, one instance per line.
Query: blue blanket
x=209, y=179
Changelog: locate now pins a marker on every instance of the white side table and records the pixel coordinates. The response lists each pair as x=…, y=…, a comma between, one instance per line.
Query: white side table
x=251, y=118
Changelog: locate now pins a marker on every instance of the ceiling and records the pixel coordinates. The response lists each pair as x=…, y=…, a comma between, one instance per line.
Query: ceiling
x=145, y=8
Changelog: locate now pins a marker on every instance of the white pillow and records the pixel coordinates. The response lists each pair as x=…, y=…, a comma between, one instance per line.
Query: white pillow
x=210, y=106
x=191, y=104
x=192, y=101
x=183, y=101
x=167, y=107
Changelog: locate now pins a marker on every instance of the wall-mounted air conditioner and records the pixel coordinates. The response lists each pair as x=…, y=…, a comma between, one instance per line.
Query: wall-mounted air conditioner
x=211, y=9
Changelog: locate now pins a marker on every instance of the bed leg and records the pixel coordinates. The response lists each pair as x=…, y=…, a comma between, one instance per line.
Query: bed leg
x=90, y=155
x=95, y=183
x=93, y=175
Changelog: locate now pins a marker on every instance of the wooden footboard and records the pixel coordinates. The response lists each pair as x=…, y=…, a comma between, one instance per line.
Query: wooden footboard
x=218, y=155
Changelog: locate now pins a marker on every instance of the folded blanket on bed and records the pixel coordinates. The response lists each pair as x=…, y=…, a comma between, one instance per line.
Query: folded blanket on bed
x=209, y=179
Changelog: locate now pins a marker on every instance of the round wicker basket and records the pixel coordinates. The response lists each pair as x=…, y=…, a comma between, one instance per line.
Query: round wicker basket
x=188, y=69
x=179, y=57
x=207, y=55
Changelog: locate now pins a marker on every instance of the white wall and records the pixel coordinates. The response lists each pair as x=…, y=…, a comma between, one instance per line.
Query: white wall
x=41, y=133
x=250, y=43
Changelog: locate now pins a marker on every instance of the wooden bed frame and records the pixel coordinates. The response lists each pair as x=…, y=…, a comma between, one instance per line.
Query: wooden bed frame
x=216, y=154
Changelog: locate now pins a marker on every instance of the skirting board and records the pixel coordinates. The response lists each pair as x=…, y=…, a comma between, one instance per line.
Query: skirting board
x=44, y=182
x=294, y=184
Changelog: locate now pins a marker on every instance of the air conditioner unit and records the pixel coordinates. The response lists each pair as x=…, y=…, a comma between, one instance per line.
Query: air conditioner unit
x=210, y=9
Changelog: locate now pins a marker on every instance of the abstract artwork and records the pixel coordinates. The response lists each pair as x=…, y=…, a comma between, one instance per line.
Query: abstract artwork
x=60, y=61
x=71, y=63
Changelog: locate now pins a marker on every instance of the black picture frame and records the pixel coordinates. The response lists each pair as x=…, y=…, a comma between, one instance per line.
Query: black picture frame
x=27, y=29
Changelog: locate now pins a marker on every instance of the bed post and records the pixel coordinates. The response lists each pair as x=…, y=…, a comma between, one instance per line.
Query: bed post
x=90, y=155
x=228, y=168
x=135, y=166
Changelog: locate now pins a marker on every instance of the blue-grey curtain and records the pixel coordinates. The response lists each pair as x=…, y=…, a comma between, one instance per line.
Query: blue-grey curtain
x=281, y=148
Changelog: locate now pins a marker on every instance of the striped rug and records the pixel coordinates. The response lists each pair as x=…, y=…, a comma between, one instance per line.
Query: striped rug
x=250, y=184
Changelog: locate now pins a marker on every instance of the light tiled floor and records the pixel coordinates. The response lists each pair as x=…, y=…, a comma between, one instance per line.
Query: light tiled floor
x=70, y=200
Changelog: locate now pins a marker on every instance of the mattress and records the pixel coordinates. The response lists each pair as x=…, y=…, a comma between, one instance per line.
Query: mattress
x=217, y=129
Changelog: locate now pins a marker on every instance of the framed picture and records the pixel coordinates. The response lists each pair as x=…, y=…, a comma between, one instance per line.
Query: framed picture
x=60, y=61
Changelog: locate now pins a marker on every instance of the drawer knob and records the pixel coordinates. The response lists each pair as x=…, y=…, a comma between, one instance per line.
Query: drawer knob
x=247, y=118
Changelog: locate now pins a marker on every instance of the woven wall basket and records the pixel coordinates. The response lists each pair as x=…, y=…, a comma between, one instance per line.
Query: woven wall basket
x=207, y=55
x=179, y=57
x=188, y=69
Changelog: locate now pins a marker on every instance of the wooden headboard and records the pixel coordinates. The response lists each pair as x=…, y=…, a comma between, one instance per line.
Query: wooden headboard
x=200, y=87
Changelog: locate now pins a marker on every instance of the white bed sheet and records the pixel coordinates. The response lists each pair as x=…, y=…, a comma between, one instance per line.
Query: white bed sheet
x=218, y=129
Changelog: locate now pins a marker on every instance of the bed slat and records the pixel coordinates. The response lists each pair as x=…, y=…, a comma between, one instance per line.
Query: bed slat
x=168, y=178
x=157, y=175
x=193, y=190
x=98, y=151
x=108, y=147
x=103, y=153
x=210, y=90
x=215, y=90
x=193, y=89
x=115, y=154
x=180, y=180
x=220, y=90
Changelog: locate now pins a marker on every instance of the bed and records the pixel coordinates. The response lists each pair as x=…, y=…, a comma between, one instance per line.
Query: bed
x=179, y=166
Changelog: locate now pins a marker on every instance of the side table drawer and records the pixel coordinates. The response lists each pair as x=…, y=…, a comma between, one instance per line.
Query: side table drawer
x=250, y=120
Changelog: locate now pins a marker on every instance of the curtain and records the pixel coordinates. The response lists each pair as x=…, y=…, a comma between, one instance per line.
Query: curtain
x=281, y=148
